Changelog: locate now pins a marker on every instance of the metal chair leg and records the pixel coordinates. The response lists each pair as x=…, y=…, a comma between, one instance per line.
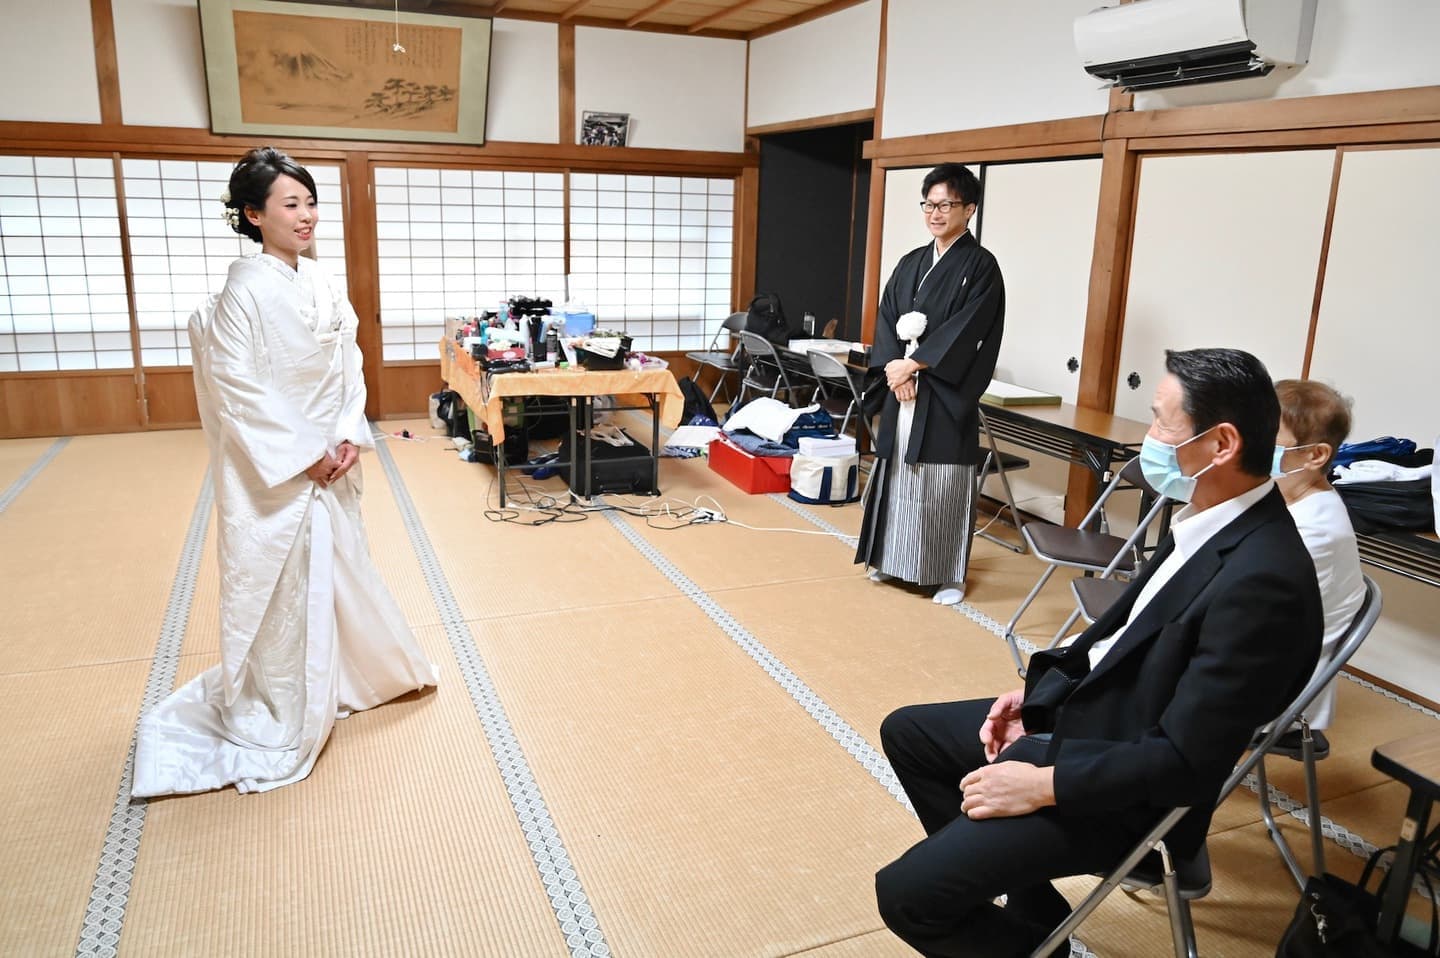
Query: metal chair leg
x=994, y=452
x=1182, y=926
x=1015, y=619
x=1312, y=794
x=1074, y=614
x=719, y=381
x=1273, y=827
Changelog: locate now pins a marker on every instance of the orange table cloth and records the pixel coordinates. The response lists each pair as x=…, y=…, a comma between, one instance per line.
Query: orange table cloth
x=486, y=395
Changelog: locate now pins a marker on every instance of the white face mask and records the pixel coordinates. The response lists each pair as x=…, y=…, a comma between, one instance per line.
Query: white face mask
x=1276, y=472
x=1160, y=464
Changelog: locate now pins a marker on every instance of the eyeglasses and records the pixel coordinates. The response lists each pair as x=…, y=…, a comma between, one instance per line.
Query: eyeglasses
x=943, y=206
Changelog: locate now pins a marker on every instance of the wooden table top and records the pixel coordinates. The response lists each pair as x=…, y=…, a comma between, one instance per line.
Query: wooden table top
x=1415, y=761
x=1091, y=422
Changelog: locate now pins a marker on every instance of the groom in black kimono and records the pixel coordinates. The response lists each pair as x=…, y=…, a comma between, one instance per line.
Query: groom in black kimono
x=1146, y=711
x=920, y=504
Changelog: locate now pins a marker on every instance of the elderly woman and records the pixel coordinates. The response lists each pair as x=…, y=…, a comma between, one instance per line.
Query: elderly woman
x=937, y=337
x=1314, y=421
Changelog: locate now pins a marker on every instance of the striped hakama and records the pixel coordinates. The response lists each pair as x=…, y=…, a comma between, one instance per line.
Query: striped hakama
x=923, y=515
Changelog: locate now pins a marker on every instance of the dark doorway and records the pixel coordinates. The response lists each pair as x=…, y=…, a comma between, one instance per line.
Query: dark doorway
x=814, y=200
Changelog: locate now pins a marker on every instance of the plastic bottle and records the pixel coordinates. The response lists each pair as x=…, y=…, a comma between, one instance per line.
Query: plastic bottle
x=552, y=339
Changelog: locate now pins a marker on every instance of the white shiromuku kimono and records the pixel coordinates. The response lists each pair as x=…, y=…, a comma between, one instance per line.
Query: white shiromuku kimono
x=308, y=630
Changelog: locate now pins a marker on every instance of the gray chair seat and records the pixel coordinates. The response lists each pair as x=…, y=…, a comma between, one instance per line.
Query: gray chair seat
x=1008, y=461
x=718, y=360
x=836, y=406
x=1092, y=552
x=1191, y=871
x=1094, y=596
x=1060, y=545
x=1291, y=745
x=722, y=361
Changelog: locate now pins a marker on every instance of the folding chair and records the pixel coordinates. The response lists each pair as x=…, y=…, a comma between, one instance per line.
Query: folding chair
x=1093, y=595
x=1080, y=548
x=999, y=463
x=1183, y=879
x=1308, y=746
x=828, y=369
x=764, y=372
x=715, y=355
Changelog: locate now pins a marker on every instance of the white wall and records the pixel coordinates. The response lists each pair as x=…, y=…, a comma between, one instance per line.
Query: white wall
x=1401, y=648
x=1358, y=45
x=819, y=68
x=47, y=62
x=162, y=68
x=682, y=93
x=524, y=100
x=970, y=64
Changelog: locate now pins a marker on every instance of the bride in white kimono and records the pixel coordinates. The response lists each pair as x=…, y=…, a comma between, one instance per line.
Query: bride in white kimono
x=308, y=630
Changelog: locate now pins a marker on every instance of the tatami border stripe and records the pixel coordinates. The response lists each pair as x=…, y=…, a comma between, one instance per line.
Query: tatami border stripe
x=840, y=730
x=18, y=486
x=110, y=890
x=562, y=884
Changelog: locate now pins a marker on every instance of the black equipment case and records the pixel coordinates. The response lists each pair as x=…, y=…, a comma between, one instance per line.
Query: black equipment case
x=624, y=470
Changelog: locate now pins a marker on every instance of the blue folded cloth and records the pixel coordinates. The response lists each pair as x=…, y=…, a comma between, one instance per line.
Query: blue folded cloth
x=759, y=446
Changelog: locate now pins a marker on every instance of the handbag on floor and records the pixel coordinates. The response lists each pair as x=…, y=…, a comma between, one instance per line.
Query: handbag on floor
x=1336, y=919
x=825, y=480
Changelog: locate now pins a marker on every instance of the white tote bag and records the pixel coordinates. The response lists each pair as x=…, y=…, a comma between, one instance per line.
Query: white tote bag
x=825, y=480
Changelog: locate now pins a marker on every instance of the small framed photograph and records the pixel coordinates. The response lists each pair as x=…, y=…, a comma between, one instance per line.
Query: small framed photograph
x=604, y=129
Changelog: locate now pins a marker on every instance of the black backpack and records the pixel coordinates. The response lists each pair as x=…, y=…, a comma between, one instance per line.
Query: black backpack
x=766, y=317
x=697, y=404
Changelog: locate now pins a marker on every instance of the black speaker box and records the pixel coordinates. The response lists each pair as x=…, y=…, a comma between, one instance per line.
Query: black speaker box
x=625, y=470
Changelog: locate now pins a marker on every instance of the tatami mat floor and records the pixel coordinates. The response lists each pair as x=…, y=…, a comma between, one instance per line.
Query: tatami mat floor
x=683, y=719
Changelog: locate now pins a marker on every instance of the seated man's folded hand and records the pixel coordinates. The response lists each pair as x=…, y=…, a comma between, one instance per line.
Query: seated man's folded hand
x=1007, y=789
x=1002, y=725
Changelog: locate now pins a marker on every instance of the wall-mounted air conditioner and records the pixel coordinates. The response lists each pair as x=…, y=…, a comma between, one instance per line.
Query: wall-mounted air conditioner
x=1148, y=44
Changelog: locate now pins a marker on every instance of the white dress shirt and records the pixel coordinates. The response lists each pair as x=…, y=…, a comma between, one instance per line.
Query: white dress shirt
x=1191, y=531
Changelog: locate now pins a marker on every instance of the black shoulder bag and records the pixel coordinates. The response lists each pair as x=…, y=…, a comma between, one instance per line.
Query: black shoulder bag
x=1336, y=919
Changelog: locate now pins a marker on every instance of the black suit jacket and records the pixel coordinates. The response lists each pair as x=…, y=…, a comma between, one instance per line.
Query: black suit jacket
x=1220, y=650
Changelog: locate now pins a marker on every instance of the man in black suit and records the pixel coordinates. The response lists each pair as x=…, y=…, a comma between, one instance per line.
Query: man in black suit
x=1147, y=710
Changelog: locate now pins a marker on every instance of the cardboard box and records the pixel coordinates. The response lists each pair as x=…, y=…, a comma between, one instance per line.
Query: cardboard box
x=752, y=474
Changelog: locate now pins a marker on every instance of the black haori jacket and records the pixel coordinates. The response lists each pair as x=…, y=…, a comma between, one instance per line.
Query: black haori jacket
x=963, y=300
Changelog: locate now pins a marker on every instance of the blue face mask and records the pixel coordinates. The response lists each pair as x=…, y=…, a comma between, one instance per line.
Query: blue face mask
x=1160, y=464
x=1276, y=470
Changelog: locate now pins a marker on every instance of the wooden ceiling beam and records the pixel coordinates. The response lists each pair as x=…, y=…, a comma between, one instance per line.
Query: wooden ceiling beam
x=574, y=9
x=699, y=25
x=650, y=11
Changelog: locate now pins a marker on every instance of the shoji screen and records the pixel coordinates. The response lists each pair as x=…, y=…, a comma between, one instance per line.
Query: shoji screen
x=455, y=242
x=652, y=255
x=1040, y=224
x=62, y=276
x=1378, y=335
x=181, y=248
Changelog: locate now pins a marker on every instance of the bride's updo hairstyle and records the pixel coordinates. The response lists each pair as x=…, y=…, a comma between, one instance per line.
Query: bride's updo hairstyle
x=250, y=184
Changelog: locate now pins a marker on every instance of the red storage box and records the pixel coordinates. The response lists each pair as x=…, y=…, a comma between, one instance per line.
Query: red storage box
x=753, y=474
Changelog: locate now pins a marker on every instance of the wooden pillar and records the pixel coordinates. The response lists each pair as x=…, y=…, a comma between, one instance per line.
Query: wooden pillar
x=362, y=269
x=1109, y=276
